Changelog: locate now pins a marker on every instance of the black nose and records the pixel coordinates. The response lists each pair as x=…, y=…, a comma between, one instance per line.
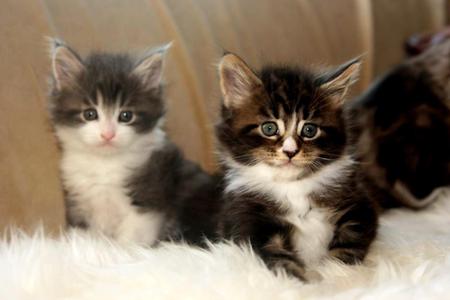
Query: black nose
x=290, y=154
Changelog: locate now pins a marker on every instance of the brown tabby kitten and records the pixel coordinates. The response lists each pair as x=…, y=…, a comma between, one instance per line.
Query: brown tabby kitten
x=404, y=120
x=291, y=185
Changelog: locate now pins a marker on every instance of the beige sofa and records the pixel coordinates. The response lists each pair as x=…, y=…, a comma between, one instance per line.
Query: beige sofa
x=290, y=31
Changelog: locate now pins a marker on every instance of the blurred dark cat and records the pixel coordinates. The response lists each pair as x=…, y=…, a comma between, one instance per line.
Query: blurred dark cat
x=121, y=174
x=404, y=123
x=292, y=187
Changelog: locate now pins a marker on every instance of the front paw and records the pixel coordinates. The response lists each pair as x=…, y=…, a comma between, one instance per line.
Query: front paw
x=291, y=268
x=350, y=256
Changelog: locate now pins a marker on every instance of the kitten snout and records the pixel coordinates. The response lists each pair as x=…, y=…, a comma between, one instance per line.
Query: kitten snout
x=107, y=132
x=290, y=147
x=108, y=135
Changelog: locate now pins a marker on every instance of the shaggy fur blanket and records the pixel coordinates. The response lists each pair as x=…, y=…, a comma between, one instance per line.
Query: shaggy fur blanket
x=409, y=260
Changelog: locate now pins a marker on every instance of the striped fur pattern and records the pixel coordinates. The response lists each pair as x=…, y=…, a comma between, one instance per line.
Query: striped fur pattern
x=292, y=187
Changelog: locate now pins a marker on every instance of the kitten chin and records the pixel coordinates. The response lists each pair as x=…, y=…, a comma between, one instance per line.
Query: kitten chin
x=121, y=175
x=292, y=187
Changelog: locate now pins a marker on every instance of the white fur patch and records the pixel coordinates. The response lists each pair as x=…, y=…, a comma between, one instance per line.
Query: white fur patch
x=289, y=145
x=96, y=179
x=314, y=228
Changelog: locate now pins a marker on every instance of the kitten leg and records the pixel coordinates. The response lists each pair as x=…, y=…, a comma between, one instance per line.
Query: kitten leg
x=355, y=230
x=73, y=220
x=277, y=257
x=140, y=228
x=350, y=256
x=74, y=217
x=254, y=220
x=269, y=239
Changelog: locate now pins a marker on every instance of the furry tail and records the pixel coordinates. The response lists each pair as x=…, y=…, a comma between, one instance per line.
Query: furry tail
x=404, y=195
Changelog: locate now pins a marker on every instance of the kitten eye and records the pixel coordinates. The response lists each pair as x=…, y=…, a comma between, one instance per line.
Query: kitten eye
x=269, y=128
x=90, y=114
x=309, y=131
x=125, y=116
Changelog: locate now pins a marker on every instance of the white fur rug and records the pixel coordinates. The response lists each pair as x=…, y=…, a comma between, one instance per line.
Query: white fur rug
x=410, y=260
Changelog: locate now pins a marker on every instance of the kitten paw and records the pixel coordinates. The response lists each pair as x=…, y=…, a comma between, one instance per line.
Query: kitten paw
x=291, y=268
x=348, y=256
x=312, y=276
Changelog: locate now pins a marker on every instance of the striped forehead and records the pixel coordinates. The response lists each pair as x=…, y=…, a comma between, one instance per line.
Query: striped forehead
x=107, y=100
x=289, y=95
x=284, y=108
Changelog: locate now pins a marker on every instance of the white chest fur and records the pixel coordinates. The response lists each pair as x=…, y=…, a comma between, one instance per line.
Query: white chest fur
x=314, y=229
x=98, y=186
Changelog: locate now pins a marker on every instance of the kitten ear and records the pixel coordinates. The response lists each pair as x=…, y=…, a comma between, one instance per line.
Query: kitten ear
x=149, y=68
x=66, y=64
x=237, y=80
x=339, y=81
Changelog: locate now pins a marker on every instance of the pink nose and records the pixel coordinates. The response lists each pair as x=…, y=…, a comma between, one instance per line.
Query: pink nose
x=290, y=154
x=108, y=135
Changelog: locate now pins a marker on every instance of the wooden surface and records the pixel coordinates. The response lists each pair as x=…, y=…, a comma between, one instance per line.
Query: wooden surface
x=319, y=32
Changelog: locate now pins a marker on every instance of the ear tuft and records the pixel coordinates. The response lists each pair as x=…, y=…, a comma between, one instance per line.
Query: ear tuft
x=150, y=67
x=66, y=64
x=53, y=44
x=237, y=81
x=339, y=81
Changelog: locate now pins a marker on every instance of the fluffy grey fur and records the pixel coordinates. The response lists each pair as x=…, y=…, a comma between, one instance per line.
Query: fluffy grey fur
x=121, y=175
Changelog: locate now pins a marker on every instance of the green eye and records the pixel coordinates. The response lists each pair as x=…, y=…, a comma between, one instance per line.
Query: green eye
x=309, y=131
x=269, y=128
x=90, y=114
x=125, y=116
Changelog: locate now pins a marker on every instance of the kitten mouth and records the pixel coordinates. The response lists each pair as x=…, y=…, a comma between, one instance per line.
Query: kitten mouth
x=106, y=144
x=289, y=163
x=286, y=163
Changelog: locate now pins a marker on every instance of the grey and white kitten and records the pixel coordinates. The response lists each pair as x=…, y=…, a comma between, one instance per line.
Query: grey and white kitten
x=121, y=175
